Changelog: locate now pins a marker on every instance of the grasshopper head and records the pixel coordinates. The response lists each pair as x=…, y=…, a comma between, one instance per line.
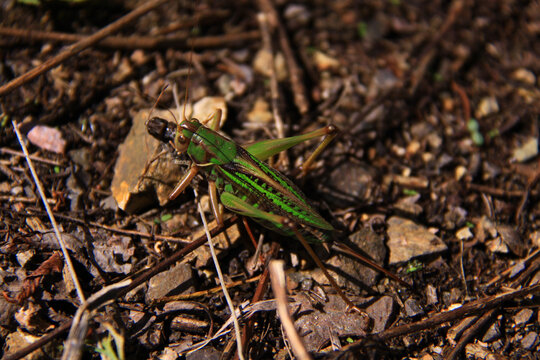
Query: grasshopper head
x=161, y=129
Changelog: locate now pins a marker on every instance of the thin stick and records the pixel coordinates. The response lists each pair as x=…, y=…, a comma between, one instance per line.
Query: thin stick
x=113, y=229
x=277, y=276
x=295, y=72
x=211, y=291
x=23, y=199
x=267, y=44
x=462, y=268
x=74, y=344
x=222, y=282
x=80, y=46
x=139, y=42
x=35, y=158
x=51, y=216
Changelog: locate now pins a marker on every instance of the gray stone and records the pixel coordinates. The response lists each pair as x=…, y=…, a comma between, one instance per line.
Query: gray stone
x=530, y=340
x=407, y=240
x=381, y=312
x=523, y=316
x=412, y=308
x=177, y=280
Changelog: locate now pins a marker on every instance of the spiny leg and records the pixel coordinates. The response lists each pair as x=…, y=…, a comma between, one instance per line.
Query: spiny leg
x=184, y=182
x=331, y=134
x=214, y=202
x=215, y=121
x=234, y=203
x=238, y=205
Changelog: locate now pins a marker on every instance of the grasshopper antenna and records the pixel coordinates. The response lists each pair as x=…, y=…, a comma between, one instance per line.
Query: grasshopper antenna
x=156, y=102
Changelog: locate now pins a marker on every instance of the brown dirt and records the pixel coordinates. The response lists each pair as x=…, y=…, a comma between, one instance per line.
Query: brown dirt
x=432, y=98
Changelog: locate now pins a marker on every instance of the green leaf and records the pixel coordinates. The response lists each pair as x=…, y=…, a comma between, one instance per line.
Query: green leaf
x=414, y=266
x=477, y=138
x=4, y=121
x=472, y=125
x=106, y=349
x=29, y=2
x=410, y=192
x=195, y=31
x=361, y=29
x=493, y=133
x=166, y=217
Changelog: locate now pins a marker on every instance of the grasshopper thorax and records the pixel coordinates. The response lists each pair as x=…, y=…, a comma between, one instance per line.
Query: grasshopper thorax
x=185, y=132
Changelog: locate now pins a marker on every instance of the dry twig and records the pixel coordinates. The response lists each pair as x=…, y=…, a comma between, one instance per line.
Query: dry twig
x=51, y=216
x=277, y=276
x=297, y=81
x=80, y=46
x=267, y=44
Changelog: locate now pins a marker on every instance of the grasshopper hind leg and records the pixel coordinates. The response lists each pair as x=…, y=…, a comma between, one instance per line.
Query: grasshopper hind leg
x=234, y=203
x=263, y=150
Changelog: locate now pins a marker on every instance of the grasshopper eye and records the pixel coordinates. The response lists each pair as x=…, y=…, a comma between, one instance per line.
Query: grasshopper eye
x=181, y=139
x=181, y=143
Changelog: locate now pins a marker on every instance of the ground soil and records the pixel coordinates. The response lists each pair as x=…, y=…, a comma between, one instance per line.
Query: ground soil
x=437, y=104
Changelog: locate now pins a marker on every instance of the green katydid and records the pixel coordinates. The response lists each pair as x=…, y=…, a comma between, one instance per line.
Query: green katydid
x=246, y=185
x=249, y=187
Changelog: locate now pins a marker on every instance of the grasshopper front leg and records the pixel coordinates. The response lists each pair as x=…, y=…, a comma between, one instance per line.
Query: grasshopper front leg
x=184, y=182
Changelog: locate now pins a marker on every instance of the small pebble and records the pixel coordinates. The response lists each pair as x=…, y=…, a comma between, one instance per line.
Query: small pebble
x=459, y=172
x=527, y=151
x=431, y=295
x=47, y=138
x=325, y=62
x=492, y=333
x=464, y=233
x=525, y=76
x=412, y=308
x=487, y=106
x=523, y=316
x=530, y=340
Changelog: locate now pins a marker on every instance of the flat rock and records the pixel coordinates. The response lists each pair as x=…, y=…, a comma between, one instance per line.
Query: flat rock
x=131, y=186
x=177, y=280
x=334, y=319
x=381, y=312
x=348, y=271
x=47, y=138
x=412, y=308
x=407, y=240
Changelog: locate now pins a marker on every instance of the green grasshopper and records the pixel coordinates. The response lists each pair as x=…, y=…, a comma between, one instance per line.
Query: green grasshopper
x=246, y=185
